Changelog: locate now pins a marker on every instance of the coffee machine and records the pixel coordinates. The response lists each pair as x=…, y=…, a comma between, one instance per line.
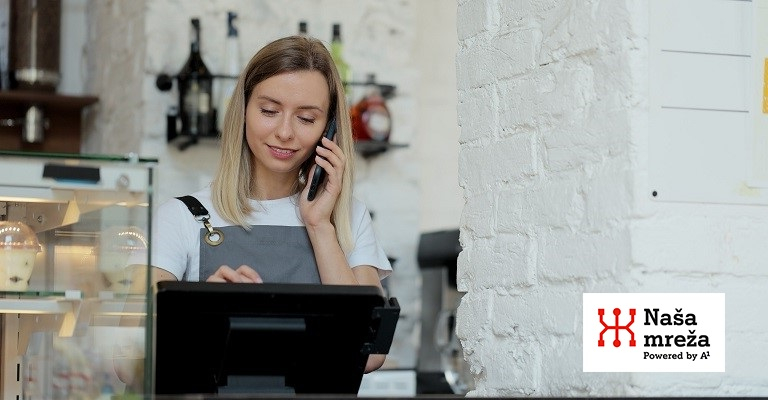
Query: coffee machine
x=440, y=368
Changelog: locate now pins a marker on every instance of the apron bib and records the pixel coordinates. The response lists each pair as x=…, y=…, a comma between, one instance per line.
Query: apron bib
x=280, y=254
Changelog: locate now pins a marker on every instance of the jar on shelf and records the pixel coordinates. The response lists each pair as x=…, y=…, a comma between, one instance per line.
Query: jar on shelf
x=370, y=115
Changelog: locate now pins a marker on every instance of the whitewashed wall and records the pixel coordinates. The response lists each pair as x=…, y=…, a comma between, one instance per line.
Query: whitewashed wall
x=436, y=145
x=553, y=109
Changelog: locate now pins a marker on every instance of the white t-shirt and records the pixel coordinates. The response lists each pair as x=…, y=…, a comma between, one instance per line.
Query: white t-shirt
x=176, y=233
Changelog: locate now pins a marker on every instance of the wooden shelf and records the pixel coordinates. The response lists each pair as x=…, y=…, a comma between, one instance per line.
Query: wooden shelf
x=63, y=113
x=45, y=99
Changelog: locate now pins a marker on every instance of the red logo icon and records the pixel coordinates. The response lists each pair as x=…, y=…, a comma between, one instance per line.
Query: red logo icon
x=616, y=327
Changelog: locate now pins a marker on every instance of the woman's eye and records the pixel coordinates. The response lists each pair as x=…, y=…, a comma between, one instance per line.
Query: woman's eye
x=268, y=112
x=307, y=120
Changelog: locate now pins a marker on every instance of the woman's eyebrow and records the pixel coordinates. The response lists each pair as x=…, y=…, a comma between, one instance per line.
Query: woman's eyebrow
x=278, y=102
x=269, y=99
x=311, y=107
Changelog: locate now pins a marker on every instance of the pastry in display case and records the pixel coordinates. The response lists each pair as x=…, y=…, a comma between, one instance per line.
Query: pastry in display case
x=18, y=250
x=117, y=244
x=73, y=279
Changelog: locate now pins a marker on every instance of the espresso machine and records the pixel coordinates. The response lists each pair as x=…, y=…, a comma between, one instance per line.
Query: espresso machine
x=440, y=368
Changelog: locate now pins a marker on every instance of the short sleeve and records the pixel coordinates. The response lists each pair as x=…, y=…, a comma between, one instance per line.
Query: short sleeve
x=367, y=249
x=174, y=236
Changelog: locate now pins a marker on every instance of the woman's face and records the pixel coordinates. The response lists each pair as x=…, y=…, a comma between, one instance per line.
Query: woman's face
x=284, y=119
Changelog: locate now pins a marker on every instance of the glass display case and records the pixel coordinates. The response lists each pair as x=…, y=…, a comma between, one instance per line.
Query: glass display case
x=74, y=246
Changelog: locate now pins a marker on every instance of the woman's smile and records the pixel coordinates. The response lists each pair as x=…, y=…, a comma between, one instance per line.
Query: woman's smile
x=281, y=153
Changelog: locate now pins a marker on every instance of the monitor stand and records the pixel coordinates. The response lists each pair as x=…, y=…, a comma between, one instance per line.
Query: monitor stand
x=243, y=384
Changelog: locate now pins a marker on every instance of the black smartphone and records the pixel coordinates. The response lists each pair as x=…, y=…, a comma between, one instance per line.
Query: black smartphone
x=319, y=175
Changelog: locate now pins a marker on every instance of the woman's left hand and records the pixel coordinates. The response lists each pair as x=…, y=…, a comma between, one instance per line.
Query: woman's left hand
x=332, y=160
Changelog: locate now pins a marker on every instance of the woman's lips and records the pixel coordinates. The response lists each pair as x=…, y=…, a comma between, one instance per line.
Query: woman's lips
x=281, y=153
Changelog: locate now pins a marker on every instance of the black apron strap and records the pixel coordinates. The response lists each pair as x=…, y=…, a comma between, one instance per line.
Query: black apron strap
x=214, y=236
x=194, y=205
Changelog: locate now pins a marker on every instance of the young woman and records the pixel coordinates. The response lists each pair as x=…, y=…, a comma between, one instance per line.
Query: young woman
x=260, y=226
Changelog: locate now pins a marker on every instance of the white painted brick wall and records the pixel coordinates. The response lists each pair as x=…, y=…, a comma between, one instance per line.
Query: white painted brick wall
x=553, y=162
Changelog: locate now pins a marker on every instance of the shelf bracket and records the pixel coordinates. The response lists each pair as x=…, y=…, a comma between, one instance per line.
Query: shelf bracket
x=57, y=315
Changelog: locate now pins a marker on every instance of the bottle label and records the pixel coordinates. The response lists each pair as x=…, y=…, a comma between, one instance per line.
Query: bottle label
x=204, y=102
x=191, y=102
x=191, y=110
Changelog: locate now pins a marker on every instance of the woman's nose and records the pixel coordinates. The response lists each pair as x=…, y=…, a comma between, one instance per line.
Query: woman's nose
x=285, y=130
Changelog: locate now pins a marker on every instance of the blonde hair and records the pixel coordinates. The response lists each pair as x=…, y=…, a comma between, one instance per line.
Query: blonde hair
x=233, y=183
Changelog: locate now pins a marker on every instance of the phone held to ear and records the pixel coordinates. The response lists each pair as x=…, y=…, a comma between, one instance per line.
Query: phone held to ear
x=319, y=175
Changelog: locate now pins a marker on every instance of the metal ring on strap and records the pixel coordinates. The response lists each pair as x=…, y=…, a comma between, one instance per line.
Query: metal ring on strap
x=214, y=237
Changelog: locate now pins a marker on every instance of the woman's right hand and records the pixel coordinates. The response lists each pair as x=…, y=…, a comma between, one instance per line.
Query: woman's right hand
x=243, y=274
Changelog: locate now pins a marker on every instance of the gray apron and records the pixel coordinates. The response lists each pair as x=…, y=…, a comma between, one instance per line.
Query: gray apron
x=280, y=254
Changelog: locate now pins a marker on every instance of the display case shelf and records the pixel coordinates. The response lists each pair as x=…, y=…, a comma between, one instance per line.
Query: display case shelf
x=59, y=314
x=66, y=313
x=70, y=306
x=37, y=302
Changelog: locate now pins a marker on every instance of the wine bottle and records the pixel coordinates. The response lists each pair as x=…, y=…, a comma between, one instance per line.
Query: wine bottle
x=231, y=69
x=195, y=89
x=370, y=116
x=337, y=50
